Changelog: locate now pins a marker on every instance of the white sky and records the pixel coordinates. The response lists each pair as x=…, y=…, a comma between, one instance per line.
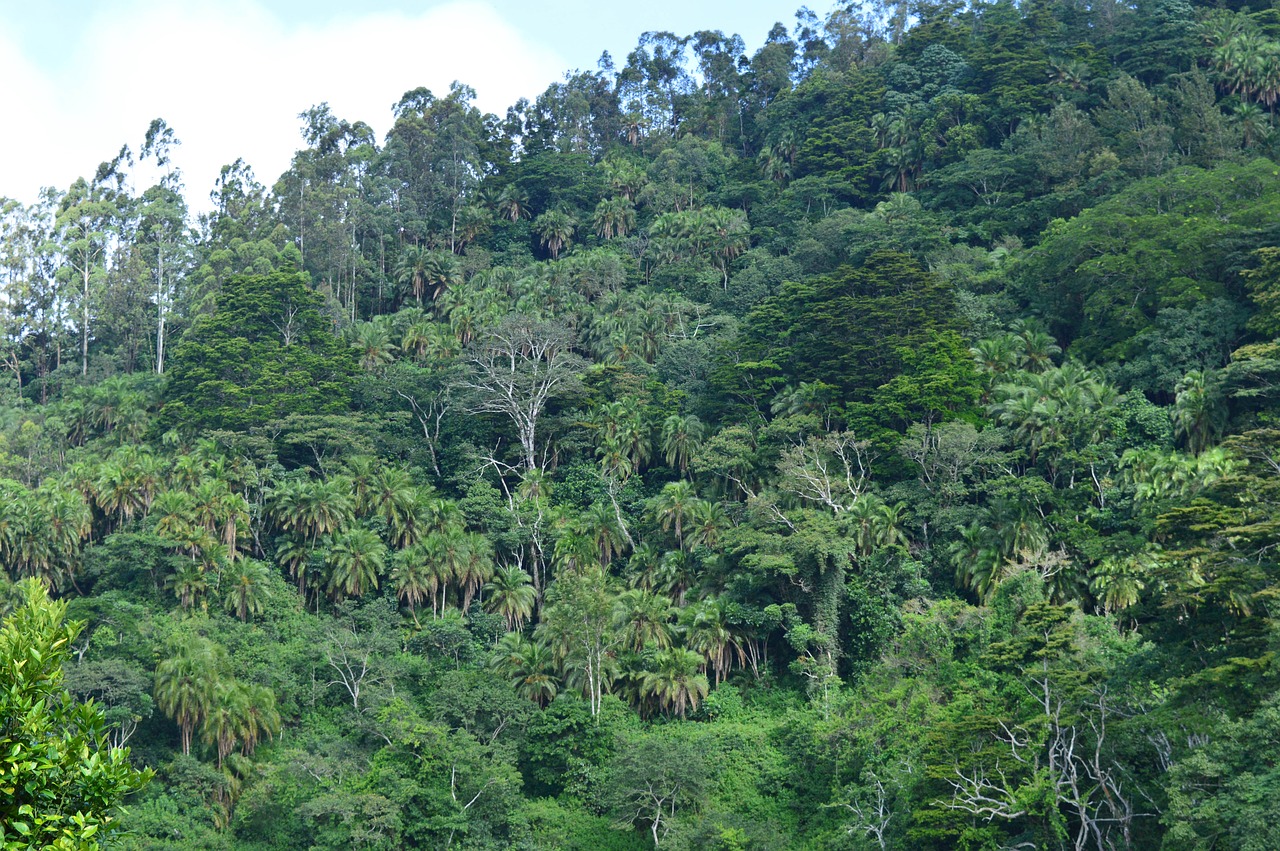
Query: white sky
x=81, y=78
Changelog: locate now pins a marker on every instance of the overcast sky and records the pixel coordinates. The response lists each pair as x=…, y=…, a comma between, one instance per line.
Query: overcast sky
x=81, y=78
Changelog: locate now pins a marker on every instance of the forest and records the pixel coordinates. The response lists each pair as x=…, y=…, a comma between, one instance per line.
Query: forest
x=868, y=441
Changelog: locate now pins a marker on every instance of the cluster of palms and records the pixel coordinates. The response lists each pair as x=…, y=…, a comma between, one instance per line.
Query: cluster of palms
x=422, y=271
x=117, y=408
x=342, y=535
x=660, y=659
x=1246, y=61
x=1045, y=409
x=195, y=687
x=1009, y=538
x=632, y=324
x=1026, y=348
x=42, y=531
x=718, y=233
x=901, y=146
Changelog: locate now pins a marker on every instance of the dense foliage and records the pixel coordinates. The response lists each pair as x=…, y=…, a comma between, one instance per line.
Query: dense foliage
x=868, y=441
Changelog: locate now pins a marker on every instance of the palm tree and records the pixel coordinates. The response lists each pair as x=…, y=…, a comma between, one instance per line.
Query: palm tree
x=66, y=522
x=116, y=489
x=186, y=682
x=260, y=716
x=976, y=559
x=372, y=342
x=876, y=524
x=625, y=178
x=574, y=550
x=707, y=520
x=555, y=231
x=1036, y=350
x=513, y=203
x=355, y=560
x=222, y=721
x=644, y=566
x=240, y=714
x=645, y=619
x=511, y=595
x=172, y=514
x=676, y=574
x=729, y=238
x=413, y=268
x=529, y=665
x=445, y=554
x=707, y=632
x=674, y=506
x=475, y=568
x=189, y=584
x=325, y=507
x=996, y=355
x=11, y=525
x=294, y=555
x=246, y=592
x=392, y=496
x=441, y=273
x=1199, y=410
x=615, y=217
x=676, y=682
x=418, y=337
x=472, y=221
x=600, y=523
x=1254, y=124
x=412, y=578
x=1116, y=583
x=681, y=437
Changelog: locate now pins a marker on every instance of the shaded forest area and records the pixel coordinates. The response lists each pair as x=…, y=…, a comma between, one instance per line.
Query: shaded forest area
x=866, y=442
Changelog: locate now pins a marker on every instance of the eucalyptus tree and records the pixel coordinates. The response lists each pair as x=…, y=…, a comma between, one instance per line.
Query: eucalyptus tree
x=578, y=619
x=87, y=223
x=163, y=233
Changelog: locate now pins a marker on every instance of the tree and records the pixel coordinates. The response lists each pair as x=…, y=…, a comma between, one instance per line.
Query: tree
x=185, y=684
x=555, y=231
x=676, y=681
x=674, y=507
x=578, y=618
x=529, y=665
x=247, y=592
x=645, y=620
x=511, y=594
x=1199, y=411
x=681, y=437
x=515, y=369
x=652, y=780
x=60, y=780
x=87, y=218
x=265, y=353
x=355, y=561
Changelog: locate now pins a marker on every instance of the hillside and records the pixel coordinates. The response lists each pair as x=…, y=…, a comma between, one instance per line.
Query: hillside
x=870, y=441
